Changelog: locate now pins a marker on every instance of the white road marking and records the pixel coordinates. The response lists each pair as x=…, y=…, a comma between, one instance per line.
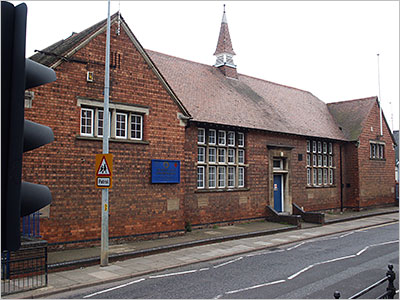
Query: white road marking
x=228, y=262
x=294, y=247
x=172, y=274
x=255, y=286
x=114, y=288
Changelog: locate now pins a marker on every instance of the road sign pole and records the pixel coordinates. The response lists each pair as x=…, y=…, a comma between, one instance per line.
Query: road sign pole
x=104, y=193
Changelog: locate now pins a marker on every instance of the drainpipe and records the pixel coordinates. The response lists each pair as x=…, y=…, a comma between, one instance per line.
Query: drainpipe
x=341, y=179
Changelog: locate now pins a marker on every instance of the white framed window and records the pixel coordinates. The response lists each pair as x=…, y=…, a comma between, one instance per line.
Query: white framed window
x=319, y=160
x=100, y=123
x=308, y=159
x=319, y=147
x=315, y=176
x=314, y=146
x=86, y=121
x=240, y=177
x=221, y=155
x=320, y=176
x=308, y=176
x=212, y=136
x=330, y=148
x=231, y=177
x=212, y=155
x=121, y=125
x=240, y=139
x=231, y=138
x=325, y=160
x=377, y=150
x=212, y=177
x=330, y=161
x=308, y=146
x=241, y=156
x=201, y=136
x=231, y=156
x=221, y=138
x=325, y=176
x=277, y=164
x=325, y=147
x=330, y=176
x=201, y=154
x=221, y=177
x=200, y=177
x=314, y=160
x=136, y=127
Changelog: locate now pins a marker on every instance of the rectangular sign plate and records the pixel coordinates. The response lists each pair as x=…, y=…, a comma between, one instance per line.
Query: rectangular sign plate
x=165, y=171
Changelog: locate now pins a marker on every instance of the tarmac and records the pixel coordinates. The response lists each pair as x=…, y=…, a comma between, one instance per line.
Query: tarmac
x=139, y=258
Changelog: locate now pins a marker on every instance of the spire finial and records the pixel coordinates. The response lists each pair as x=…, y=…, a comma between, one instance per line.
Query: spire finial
x=224, y=8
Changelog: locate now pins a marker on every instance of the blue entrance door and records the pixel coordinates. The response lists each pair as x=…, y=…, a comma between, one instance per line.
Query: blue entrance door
x=278, y=193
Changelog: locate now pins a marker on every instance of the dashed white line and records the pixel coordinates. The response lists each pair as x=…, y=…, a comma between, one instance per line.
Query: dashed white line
x=172, y=274
x=228, y=262
x=114, y=288
x=255, y=286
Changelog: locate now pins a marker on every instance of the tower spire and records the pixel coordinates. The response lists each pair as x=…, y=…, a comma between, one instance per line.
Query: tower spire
x=224, y=51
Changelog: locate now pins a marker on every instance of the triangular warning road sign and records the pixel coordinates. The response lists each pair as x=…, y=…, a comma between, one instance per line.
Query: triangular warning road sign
x=103, y=170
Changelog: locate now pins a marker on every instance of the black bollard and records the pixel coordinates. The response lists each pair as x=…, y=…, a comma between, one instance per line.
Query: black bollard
x=336, y=295
x=391, y=290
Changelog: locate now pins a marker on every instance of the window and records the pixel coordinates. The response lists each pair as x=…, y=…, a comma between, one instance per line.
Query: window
x=211, y=137
x=201, y=154
x=87, y=122
x=136, y=127
x=221, y=177
x=231, y=138
x=241, y=139
x=125, y=121
x=231, y=177
x=211, y=177
x=221, y=159
x=201, y=136
x=200, y=177
x=241, y=177
x=221, y=155
x=221, y=138
x=211, y=155
x=377, y=150
x=320, y=172
x=278, y=164
x=120, y=125
x=231, y=156
x=241, y=156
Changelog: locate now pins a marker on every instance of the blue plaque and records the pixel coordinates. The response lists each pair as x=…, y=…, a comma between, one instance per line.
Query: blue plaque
x=165, y=171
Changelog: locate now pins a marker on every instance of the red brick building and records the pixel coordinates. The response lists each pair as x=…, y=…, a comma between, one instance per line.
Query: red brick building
x=242, y=143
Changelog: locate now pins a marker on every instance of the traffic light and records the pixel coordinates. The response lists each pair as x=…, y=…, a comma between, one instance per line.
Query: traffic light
x=18, y=135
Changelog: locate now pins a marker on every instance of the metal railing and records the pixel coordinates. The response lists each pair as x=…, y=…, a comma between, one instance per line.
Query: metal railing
x=25, y=269
x=390, y=290
x=31, y=225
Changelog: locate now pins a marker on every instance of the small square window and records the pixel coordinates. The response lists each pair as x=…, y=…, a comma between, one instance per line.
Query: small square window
x=212, y=136
x=278, y=164
x=221, y=138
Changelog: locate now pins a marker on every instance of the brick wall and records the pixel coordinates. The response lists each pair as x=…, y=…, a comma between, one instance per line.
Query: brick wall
x=203, y=207
x=67, y=164
x=377, y=177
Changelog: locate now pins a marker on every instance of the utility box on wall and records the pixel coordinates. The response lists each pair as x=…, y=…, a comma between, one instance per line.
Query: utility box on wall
x=165, y=171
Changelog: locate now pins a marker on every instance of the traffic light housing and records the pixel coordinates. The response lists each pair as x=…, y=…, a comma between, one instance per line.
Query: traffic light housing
x=18, y=135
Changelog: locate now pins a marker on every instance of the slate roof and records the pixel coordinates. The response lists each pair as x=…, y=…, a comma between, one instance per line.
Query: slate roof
x=247, y=101
x=224, y=44
x=209, y=96
x=350, y=115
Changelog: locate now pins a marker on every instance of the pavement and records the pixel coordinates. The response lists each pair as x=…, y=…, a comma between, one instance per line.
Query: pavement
x=139, y=258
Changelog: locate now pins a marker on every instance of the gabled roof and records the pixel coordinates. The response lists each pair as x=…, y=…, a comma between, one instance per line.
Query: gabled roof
x=350, y=115
x=245, y=102
x=63, y=50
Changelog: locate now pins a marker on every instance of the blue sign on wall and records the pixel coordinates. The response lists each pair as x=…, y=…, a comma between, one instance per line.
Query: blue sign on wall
x=165, y=171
